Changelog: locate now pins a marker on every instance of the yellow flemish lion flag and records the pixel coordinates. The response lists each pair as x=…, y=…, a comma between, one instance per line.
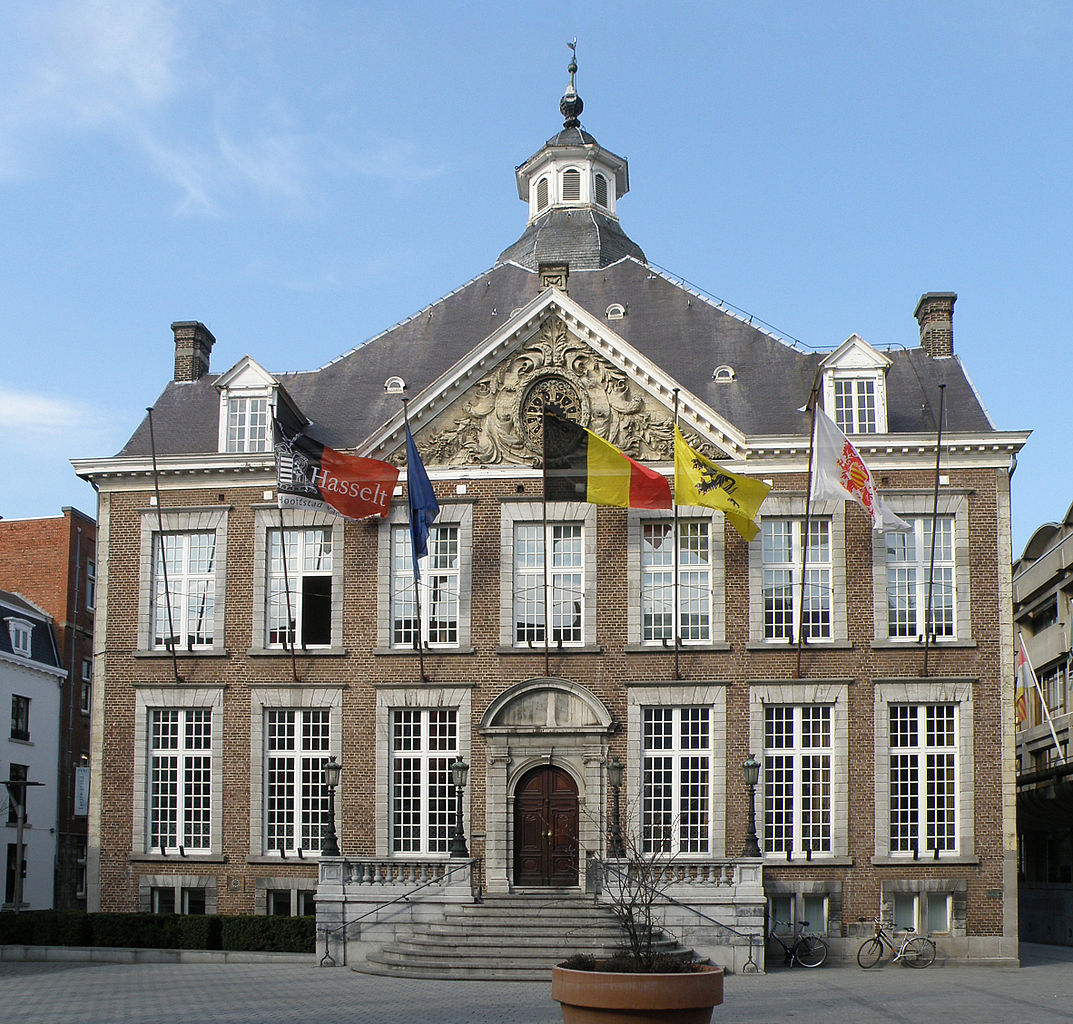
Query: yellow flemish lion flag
x=699, y=481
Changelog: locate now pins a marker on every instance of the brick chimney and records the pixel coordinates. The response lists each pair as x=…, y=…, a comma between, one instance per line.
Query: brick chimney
x=193, y=343
x=935, y=314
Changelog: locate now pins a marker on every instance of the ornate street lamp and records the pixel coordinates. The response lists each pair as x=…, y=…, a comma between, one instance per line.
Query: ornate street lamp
x=615, y=771
x=751, y=770
x=459, y=775
x=332, y=770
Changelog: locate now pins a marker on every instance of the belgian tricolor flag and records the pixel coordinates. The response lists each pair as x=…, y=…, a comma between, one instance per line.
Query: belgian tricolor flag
x=579, y=466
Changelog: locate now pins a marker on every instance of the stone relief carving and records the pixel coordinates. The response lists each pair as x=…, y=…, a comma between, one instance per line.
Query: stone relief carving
x=497, y=420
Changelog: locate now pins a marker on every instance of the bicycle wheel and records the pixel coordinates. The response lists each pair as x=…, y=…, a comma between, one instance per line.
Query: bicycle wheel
x=810, y=951
x=870, y=953
x=919, y=952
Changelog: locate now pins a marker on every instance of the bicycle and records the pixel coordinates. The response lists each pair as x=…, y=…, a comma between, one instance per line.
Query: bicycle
x=806, y=949
x=914, y=951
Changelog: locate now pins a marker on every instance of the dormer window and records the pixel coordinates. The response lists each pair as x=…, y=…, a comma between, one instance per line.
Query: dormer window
x=600, y=190
x=572, y=186
x=248, y=405
x=247, y=424
x=723, y=374
x=855, y=405
x=616, y=311
x=542, y=194
x=21, y=632
x=854, y=387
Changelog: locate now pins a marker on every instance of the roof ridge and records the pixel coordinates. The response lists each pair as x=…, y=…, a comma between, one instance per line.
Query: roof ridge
x=407, y=319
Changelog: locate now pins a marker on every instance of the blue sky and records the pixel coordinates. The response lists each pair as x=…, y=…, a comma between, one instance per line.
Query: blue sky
x=300, y=176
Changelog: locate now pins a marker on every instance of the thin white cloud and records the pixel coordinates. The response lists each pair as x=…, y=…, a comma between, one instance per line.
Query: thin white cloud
x=28, y=414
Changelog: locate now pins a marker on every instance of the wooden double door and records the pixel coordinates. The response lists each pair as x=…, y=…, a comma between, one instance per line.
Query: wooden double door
x=546, y=828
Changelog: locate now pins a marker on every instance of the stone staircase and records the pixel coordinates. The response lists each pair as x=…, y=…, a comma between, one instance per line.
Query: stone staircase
x=517, y=937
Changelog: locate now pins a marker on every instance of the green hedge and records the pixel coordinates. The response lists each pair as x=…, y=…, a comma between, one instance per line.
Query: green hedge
x=159, y=931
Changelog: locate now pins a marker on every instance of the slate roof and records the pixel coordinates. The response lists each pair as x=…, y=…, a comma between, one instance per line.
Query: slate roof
x=586, y=239
x=679, y=330
x=43, y=649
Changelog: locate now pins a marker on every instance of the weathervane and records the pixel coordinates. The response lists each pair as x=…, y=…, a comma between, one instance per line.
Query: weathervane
x=570, y=106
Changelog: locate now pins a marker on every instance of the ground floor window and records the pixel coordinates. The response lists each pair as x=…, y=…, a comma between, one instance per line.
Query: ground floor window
x=290, y=902
x=424, y=743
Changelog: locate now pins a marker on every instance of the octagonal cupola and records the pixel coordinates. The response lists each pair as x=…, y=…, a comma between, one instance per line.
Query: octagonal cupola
x=572, y=185
x=571, y=170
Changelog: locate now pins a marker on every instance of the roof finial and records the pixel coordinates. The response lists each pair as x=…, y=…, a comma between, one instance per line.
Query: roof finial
x=570, y=105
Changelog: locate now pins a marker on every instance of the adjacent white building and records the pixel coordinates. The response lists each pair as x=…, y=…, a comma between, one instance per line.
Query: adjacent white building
x=31, y=678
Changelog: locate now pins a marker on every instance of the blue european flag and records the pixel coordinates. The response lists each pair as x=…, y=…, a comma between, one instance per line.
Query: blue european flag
x=423, y=504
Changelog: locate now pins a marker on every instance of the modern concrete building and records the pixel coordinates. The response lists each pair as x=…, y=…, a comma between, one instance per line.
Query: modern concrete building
x=553, y=638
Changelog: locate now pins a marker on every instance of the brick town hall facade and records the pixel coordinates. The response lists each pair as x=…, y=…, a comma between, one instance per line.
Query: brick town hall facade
x=886, y=761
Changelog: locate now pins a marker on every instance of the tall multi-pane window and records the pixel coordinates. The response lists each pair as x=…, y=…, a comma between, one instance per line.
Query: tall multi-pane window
x=436, y=591
x=424, y=743
x=788, y=606
x=91, y=585
x=797, y=778
x=676, y=779
x=180, y=779
x=248, y=424
x=565, y=583
x=20, y=717
x=299, y=588
x=694, y=593
x=855, y=405
x=923, y=777
x=297, y=743
x=188, y=560
x=908, y=558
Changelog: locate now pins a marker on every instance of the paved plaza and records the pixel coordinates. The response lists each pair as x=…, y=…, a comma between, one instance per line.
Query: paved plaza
x=1040, y=992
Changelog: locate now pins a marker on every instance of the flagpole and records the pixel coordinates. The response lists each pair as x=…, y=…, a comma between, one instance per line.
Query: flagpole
x=934, y=523
x=1039, y=692
x=675, y=592
x=544, y=540
x=413, y=555
x=287, y=592
x=808, y=518
x=163, y=555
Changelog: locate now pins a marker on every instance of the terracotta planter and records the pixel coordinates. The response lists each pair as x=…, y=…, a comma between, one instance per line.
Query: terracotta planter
x=598, y=997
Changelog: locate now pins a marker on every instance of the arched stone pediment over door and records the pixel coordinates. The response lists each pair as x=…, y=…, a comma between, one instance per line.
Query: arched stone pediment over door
x=545, y=721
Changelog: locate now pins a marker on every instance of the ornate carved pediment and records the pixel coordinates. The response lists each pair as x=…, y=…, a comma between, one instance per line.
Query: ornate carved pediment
x=498, y=419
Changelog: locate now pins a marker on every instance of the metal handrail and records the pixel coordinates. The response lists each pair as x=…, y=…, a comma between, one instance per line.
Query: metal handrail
x=474, y=867
x=605, y=865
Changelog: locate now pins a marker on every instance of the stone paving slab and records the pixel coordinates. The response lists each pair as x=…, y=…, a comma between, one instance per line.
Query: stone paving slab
x=1040, y=992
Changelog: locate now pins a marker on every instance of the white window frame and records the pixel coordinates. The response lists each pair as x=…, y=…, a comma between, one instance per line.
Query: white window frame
x=919, y=694
x=296, y=795
x=190, y=585
x=268, y=697
x=266, y=520
x=297, y=557
x=643, y=580
x=558, y=514
x=392, y=698
x=147, y=700
x=712, y=697
x=21, y=632
x=455, y=514
x=246, y=436
x=858, y=362
x=792, y=507
x=187, y=771
x=194, y=519
x=574, y=172
x=915, y=508
x=678, y=766
x=854, y=403
x=427, y=799
x=835, y=697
